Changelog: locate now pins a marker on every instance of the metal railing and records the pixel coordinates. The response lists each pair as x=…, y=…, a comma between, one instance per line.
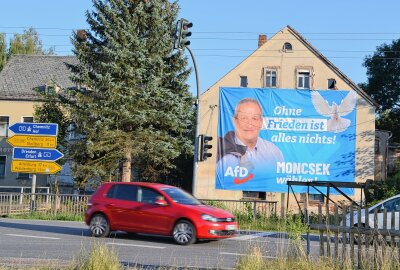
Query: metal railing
x=21, y=203
x=255, y=208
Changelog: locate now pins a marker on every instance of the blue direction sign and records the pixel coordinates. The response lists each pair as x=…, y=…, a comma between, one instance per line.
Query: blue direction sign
x=35, y=129
x=36, y=154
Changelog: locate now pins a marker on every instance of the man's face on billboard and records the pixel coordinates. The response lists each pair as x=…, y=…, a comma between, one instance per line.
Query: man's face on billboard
x=248, y=122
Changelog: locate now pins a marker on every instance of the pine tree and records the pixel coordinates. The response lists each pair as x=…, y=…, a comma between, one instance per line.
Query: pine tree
x=134, y=106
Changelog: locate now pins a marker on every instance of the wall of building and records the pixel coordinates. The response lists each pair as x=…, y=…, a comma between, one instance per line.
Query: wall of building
x=271, y=55
x=16, y=110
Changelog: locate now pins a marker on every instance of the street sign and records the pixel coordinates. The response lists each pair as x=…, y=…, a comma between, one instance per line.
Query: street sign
x=28, y=166
x=35, y=129
x=33, y=141
x=37, y=154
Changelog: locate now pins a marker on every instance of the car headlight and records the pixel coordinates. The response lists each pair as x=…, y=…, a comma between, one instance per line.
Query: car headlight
x=208, y=218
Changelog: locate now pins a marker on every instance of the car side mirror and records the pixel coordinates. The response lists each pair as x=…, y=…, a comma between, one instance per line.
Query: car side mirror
x=161, y=202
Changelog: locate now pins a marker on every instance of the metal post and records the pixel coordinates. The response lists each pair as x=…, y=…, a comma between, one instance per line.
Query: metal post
x=197, y=104
x=33, y=193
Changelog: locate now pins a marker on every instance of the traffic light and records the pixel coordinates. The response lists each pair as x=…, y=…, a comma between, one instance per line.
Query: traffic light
x=182, y=32
x=204, y=147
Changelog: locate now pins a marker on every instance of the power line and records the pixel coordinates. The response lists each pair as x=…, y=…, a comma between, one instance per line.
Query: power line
x=221, y=32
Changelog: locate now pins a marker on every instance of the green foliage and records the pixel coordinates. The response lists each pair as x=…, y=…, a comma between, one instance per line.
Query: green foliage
x=381, y=190
x=390, y=120
x=99, y=257
x=27, y=43
x=135, y=107
x=50, y=110
x=383, y=85
x=66, y=216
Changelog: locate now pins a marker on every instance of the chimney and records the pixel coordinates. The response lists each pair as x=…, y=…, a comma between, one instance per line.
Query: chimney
x=261, y=40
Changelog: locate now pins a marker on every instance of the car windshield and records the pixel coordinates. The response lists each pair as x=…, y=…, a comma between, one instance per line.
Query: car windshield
x=180, y=196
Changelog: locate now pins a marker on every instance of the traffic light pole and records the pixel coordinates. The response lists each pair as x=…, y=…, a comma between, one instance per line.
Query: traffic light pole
x=196, y=138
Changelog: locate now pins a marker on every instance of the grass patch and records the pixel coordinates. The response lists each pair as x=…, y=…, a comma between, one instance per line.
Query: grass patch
x=48, y=216
x=99, y=257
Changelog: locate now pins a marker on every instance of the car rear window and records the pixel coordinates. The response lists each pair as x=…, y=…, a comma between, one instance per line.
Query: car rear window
x=123, y=192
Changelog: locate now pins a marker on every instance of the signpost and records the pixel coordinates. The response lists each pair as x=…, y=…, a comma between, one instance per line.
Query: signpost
x=42, y=154
x=33, y=150
x=29, y=166
x=33, y=141
x=35, y=129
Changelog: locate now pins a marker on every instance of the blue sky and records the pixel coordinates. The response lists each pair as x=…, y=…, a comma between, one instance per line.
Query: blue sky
x=226, y=31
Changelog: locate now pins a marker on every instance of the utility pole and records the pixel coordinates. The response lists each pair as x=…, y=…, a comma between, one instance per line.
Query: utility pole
x=181, y=42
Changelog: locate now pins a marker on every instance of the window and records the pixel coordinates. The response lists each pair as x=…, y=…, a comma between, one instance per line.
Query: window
x=4, y=123
x=3, y=160
x=287, y=47
x=376, y=146
x=27, y=119
x=392, y=205
x=148, y=195
x=316, y=197
x=331, y=84
x=243, y=81
x=123, y=192
x=303, y=79
x=270, y=77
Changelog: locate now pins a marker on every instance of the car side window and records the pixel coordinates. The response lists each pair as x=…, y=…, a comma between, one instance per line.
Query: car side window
x=392, y=205
x=148, y=195
x=123, y=192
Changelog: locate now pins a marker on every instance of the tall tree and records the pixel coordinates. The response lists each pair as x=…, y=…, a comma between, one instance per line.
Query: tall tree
x=135, y=107
x=3, y=50
x=27, y=43
x=50, y=110
x=383, y=85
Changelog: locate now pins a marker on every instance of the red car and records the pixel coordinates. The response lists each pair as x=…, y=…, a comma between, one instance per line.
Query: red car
x=156, y=209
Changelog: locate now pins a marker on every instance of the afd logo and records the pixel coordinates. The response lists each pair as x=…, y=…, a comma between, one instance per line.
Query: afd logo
x=241, y=174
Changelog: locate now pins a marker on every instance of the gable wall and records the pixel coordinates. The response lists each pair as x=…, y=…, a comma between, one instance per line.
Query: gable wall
x=271, y=55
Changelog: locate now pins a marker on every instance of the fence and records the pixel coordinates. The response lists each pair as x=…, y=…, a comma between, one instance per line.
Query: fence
x=252, y=207
x=21, y=203
x=368, y=239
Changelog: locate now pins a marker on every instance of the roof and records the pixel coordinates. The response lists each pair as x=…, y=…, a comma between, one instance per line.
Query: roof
x=325, y=60
x=332, y=66
x=22, y=73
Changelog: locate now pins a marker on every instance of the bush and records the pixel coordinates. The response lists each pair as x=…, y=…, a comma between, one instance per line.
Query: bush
x=381, y=190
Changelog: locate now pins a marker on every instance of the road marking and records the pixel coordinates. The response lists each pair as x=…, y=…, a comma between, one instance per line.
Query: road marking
x=32, y=236
x=240, y=254
x=133, y=245
x=251, y=236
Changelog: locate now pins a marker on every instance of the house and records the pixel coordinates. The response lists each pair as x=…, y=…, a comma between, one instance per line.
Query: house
x=284, y=61
x=20, y=80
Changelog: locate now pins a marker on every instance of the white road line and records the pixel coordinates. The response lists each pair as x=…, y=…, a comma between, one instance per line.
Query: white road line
x=241, y=254
x=251, y=236
x=33, y=236
x=133, y=245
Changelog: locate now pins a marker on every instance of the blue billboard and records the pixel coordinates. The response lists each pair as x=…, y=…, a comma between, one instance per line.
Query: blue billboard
x=267, y=137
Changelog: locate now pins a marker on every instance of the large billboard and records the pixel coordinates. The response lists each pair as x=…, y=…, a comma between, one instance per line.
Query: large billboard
x=267, y=137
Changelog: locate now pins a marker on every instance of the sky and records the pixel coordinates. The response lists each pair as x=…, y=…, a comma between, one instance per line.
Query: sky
x=225, y=32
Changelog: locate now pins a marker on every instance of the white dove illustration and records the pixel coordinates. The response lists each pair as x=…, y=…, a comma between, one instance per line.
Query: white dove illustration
x=336, y=123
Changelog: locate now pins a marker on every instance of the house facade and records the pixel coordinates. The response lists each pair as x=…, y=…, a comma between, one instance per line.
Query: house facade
x=288, y=61
x=20, y=80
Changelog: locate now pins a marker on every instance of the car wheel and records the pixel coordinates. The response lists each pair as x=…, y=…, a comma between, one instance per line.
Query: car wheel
x=99, y=226
x=184, y=233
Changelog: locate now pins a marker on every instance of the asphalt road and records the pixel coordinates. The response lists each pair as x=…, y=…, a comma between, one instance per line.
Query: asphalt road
x=28, y=242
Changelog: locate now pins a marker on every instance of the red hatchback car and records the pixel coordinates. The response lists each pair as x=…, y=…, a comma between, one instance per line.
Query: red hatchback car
x=156, y=209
